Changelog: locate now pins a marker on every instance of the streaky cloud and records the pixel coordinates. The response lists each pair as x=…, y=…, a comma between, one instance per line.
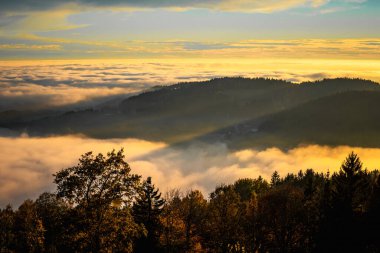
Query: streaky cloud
x=224, y=5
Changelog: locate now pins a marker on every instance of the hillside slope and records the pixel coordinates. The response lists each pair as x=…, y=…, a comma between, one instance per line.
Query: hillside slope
x=348, y=118
x=186, y=111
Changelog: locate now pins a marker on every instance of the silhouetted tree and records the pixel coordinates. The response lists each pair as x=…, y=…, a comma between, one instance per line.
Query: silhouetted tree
x=193, y=210
x=281, y=214
x=224, y=220
x=7, y=236
x=101, y=207
x=349, y=187
x=247, y=187
x=343, y=230
x=275, y=179
x=29, y=231
x=100, y=190
x=172, y=236
x=146, y=211
x=372, y=221
x=52, y=212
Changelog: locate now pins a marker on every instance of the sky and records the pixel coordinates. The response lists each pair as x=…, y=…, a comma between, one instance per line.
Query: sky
x=88, y=29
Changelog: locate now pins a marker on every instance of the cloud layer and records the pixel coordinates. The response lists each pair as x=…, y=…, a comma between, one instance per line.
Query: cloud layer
x=78, y=84
x=28, y=163
x=30, y=47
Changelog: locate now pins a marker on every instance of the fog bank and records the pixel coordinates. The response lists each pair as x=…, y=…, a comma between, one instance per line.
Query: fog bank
x=28, y=163
x=26, y=85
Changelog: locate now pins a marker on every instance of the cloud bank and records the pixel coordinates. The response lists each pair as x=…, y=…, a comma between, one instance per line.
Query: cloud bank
x=28, y=163
x=78, y=84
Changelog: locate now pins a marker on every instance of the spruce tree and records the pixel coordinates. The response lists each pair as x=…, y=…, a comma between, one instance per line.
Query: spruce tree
x=349, y=186
x=146, y=211
x=275, y=179
x=348, y=192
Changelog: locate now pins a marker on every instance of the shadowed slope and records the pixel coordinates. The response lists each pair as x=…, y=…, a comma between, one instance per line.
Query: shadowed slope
x=186, y=111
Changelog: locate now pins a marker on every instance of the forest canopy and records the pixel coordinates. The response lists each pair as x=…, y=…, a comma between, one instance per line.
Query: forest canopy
x=101, y=206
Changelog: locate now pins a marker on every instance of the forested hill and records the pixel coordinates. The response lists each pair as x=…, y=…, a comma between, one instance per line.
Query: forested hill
x=187, y=111
x=347, y=118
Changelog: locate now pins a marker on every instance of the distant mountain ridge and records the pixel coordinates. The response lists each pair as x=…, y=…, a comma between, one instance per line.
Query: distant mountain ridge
x=218, y=109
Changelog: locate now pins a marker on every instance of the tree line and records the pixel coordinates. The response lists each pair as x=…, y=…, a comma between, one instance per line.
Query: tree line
x=100, y=206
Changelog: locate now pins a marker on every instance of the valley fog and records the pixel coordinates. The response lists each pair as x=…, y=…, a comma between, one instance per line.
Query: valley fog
x=78, y=84
x=28, y=163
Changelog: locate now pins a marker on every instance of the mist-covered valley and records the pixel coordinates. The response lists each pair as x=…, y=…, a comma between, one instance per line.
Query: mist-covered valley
x=194, y=134
x=240, y=112
x=29, y=162
x=218, y=126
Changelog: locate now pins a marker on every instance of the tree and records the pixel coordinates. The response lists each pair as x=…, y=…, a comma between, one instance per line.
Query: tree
x=193, y=208
x=281, y=214
x=248, y=191
x=98, y=189
x=172, y=238
x=275, y=179
x=373, y=217
x=146, y=211
x=247, y=187
x=52, y=212
x=7, y=236
x=344, y=225
x=349, y=186
x=29, y=231
x=225, y=213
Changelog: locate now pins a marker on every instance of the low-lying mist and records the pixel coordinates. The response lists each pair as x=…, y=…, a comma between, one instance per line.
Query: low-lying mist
x=27, y=164
x=79, y=84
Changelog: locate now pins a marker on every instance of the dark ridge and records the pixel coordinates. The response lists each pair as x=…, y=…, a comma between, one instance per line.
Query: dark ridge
x=187, y=111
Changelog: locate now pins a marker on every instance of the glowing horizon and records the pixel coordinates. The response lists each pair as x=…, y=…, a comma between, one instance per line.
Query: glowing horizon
x=82, y=29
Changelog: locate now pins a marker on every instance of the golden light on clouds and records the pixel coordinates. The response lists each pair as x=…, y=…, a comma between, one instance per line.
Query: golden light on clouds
x=28, y=163
x=25, y=84
x=347, y=49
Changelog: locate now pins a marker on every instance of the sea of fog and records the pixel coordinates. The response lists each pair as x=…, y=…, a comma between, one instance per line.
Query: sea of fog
x=43, y=84
x=27, y=164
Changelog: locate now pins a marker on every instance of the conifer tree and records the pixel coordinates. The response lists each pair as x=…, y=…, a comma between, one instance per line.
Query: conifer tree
x=146, y=211
x=348, y=186
x=275, y=179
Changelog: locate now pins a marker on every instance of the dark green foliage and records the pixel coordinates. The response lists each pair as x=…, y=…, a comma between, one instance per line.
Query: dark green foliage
x=146, y=211
x=349, y=185
x=275, y=179
x=344, y=219
x=247, y=187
